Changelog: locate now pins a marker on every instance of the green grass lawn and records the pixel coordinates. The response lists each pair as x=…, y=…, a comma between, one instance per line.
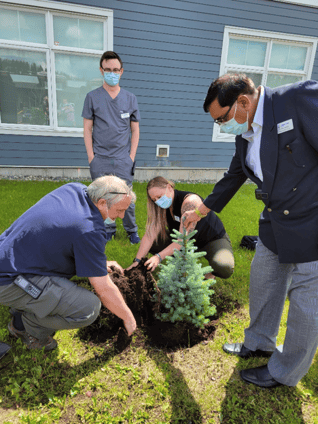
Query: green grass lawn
x=85, y=383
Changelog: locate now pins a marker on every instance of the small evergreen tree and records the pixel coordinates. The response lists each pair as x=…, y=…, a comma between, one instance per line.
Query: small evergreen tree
x=184, y=293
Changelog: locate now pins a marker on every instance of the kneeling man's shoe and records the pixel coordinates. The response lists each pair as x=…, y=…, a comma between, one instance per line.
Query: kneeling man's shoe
x=259, y=376
x=31, y=342
x=240, y=350
x=4, y=348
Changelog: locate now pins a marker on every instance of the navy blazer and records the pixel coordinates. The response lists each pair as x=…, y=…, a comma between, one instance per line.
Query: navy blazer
x=289, y=161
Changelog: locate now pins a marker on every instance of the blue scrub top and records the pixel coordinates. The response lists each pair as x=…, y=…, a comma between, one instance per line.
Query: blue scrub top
x=111, y=121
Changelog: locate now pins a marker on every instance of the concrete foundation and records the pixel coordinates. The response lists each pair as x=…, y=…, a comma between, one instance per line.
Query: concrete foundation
x=141, y=174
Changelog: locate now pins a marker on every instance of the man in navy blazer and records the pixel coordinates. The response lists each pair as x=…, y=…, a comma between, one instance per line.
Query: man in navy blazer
x=277, y=148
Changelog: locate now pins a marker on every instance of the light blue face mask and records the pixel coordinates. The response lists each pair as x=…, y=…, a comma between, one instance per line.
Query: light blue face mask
x=233, y=127
x=111, y=78
x=109, y=221
x=164, y=202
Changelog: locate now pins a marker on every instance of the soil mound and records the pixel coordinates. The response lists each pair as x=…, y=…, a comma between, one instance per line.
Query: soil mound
x=137, y=287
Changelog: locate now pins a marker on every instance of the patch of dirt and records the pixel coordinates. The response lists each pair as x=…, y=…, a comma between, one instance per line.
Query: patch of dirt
x=137, y=287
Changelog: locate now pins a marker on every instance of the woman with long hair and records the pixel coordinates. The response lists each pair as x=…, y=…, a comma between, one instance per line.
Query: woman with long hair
x=165, y=206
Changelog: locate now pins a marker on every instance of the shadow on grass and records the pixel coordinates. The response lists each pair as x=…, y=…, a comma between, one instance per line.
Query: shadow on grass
x=310, y=381
x=184, y=407
x=30, y=378
x=248, y=404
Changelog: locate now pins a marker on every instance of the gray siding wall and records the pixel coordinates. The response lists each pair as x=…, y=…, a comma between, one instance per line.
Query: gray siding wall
x=171, y=51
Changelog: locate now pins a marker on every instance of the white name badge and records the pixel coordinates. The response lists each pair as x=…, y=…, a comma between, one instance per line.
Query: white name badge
x=177, y=218
x=124, y=115
x=285, y=126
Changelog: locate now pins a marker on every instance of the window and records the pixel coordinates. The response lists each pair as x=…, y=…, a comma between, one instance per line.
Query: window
x=270, y=59
x=49, y=61
x=311, y=3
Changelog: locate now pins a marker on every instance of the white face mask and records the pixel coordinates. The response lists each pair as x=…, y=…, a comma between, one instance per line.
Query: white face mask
x=233, y=127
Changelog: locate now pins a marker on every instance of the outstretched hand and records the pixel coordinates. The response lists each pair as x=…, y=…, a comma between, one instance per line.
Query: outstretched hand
x=188, y=221
x=152, y=263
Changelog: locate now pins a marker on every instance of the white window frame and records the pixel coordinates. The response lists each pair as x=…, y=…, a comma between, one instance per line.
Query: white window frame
x=310, y=3
x=50, y=8
x=256, y=35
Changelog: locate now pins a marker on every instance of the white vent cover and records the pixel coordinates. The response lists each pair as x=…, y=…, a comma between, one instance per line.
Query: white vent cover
x=163, y=150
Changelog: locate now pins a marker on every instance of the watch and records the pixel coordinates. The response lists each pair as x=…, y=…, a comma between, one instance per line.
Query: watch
x=137, y=260
x=160, y=258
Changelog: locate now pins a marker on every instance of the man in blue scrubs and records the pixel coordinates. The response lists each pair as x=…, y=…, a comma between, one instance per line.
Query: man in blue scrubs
x=111, y=133
x=62, y=235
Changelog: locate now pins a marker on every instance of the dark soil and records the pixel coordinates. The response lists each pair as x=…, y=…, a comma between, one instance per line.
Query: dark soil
x=137, y=287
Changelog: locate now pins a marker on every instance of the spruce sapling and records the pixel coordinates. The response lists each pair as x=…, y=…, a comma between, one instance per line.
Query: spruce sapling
x=184, y=293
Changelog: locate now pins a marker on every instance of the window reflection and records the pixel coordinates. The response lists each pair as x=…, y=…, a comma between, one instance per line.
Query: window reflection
x=246, y=52
x=75, y=76
x=288, y=57
x=81, y=33
x=256, y=78
x=20, y=25
x=275, y=80
x=285, y=63
x=23, y=88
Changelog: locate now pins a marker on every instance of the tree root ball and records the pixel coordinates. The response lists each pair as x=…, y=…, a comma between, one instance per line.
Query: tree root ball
x=138, y=287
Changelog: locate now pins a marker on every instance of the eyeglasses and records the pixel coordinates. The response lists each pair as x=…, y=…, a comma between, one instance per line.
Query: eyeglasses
x=115, y=71
x=222, y=119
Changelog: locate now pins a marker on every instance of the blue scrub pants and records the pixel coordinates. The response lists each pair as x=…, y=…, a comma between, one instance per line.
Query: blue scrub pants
x=124, y=169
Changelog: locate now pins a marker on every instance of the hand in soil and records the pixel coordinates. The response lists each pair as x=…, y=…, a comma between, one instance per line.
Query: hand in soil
x=114, y=264
x=152, y=263
x=133, y=265
x=130, y=325
x=137, y=288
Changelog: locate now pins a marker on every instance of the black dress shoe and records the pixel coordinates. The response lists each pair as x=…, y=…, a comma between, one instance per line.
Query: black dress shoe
x=243, y=352
x=259, y=376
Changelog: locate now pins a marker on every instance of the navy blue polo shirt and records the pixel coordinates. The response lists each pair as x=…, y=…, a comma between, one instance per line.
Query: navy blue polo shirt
x=61, y=235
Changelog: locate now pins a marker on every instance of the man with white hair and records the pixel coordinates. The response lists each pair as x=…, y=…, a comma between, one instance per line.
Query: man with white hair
x=62, y=235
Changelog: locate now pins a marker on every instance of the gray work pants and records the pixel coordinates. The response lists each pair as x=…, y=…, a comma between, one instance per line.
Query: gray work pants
x=124, y=169
x=270, y=283
x=62, y=305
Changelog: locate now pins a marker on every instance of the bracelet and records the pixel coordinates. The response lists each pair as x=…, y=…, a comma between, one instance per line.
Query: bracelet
x=200, y=215
x=137, y=260
x=160, y=258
